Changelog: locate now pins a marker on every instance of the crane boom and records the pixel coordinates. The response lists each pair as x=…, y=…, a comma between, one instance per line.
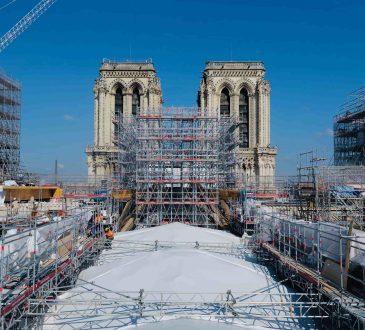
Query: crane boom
x=24, y=23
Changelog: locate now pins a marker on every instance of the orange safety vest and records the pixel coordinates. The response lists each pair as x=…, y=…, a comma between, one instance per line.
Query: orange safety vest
x=109, y=234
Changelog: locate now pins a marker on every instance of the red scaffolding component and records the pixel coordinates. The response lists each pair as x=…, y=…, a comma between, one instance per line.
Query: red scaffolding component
x=212, y=202
x=85, y=195
x=176, y=181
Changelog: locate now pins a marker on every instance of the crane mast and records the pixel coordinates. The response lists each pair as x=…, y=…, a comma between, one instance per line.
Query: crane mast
x=24, y=23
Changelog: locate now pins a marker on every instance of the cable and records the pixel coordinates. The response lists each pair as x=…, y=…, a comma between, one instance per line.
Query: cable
x=8, y=4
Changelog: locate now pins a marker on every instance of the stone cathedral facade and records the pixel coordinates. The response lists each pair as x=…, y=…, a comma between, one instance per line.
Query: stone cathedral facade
x=122, y=90
x=227, y=89
x=239, y=89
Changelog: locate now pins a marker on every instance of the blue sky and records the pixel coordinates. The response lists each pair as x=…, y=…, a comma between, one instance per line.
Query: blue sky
x=313, y=52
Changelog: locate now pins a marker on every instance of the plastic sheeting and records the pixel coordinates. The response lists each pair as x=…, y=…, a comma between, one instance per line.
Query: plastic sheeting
x=178, y=232
x=170, y=272
x=21, y=247
x=329, y=237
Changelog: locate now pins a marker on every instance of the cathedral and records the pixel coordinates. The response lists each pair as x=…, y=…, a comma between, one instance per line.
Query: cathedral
x=227, y=89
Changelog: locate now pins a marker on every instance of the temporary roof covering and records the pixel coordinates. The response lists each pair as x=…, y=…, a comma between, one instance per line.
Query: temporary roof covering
x=171, y=272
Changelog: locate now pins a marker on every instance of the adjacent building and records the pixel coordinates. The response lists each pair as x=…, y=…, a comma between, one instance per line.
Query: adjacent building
x=10, y=104
x=349, y=131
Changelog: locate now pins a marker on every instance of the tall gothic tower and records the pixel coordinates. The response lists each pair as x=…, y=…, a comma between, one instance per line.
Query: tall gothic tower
x=239, y=89
x=123, y=90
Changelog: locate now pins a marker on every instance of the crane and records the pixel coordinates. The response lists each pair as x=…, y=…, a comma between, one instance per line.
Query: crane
x=24, y=23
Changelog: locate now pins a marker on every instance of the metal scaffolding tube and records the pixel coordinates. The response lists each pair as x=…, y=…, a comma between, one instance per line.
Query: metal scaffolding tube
x=38, y=257
x=125, y=308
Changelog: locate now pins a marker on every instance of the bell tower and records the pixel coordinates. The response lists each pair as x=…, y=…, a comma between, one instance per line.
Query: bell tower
x=123, y=90
x=239, y=90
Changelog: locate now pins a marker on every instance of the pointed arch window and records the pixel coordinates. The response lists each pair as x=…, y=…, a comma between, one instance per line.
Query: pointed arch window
x=136, y=101
x=243, y=118
x=225, y=102
x=118, y=113
x=118, y=110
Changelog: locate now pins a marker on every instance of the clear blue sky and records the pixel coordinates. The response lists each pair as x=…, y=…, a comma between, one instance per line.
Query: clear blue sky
x=313, y=51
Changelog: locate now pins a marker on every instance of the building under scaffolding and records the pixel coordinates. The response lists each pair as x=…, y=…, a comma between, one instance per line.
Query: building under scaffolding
x=311, y=234
x=176, y=160
x=327, y=193
x=10, y=94
x=349, y=131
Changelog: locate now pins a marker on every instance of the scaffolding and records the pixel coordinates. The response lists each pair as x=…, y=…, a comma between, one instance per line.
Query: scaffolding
x=176, y=167
x=310, y=232
x=39, y=257
x=47, y=237
x=327, y=193
x=126, y=309
x=94, y=305
x=127, y=152
x=227, y=148
x=299, y=251
x=10, y=94
x=349, y=131
x=317, y=257
x=340, y=195
x=176, y=160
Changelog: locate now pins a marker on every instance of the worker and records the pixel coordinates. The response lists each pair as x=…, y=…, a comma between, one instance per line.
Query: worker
x=98, y=226
x=109, y=233
x=109, y=236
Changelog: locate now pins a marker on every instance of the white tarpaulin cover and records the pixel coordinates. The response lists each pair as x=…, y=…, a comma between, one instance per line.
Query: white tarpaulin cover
x=328, y=235
x=178, y=273
x=19, y=248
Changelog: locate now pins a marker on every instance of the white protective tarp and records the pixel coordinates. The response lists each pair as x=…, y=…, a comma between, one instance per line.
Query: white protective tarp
x=19, y=247
x=177, y=232
x=168, y=272
x=184, y=324
x=10, y=183
x=328, y=236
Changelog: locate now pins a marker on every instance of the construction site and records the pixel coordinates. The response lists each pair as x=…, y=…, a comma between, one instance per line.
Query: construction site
x=181, y=221
x=177, y=199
